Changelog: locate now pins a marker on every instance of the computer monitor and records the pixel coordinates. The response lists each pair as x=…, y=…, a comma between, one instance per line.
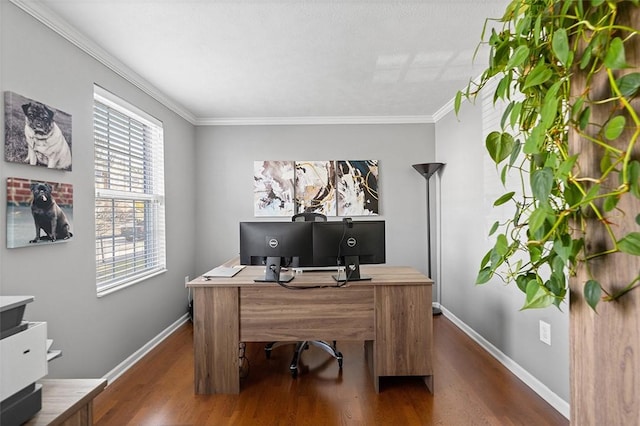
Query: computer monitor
x=276, y=245
x=349, y=243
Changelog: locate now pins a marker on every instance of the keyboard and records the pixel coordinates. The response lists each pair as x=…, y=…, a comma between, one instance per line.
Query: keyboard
x=301, y=269
x=223, y=271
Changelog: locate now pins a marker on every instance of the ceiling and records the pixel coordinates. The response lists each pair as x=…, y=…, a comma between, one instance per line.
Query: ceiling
x=271, y=61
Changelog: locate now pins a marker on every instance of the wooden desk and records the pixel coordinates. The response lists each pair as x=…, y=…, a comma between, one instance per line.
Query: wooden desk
x=391, y=313
x=67, y=402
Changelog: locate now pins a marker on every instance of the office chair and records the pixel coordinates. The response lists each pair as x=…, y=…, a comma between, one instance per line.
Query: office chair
x=301, y=346
x=309, y=217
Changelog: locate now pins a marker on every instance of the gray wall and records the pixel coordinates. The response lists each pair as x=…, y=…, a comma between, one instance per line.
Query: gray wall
x=95, y=334
x=224, y=166
x=469, y=186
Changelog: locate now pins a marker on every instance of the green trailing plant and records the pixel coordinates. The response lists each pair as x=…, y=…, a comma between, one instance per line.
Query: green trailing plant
x=532, y=58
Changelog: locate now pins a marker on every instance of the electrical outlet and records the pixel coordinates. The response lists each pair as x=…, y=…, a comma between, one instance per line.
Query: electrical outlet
x=545, y=332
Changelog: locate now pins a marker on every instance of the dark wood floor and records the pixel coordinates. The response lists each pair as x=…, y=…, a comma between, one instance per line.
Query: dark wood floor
x=471, y=388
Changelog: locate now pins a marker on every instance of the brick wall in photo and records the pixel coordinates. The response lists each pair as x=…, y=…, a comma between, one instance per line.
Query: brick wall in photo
x=19, y=192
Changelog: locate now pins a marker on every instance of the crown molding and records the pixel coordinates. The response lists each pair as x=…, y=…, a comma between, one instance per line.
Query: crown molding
x=284, y=121
x=61, y=27
x=444, y=110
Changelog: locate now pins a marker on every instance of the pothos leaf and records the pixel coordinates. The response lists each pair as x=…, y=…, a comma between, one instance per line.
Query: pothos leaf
x=534, y=141
x=541, y=183
x=494, y=228
x=523, y=280
x=537, y=218
x=515, y=114
x=537, y=296
x=535, y=252
x=611, y=202
x=503, y=199
x=506, y=114
x=563, y=248
x=629, y=84
x=592, y=292
x=457, y=101
x=615, y=57
x=584, y=118
x=614, y=127
x=540, y=74
x=630, y=243
x=485, y=259
x=519, y=56
x=502, y=245
x=536, y=29
x=586, y=57
x=572, y=194
x=484, y=275
x=560, y=45
x=566, y=166
x=548, y=111
x=515, y=153
x=499, y=145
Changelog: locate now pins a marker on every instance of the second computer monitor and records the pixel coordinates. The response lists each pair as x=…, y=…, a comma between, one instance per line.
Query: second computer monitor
x=276, y=244
x=349, y=243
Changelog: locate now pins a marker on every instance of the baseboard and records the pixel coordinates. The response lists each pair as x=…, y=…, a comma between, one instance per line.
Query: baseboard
x=121, y=368
x=536, y=385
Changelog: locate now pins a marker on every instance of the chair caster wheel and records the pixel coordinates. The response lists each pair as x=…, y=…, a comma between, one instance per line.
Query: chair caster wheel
x=294, y=372
x=339, y=358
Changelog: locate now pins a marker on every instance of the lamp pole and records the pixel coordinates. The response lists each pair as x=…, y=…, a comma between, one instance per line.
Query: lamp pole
x=427, y=170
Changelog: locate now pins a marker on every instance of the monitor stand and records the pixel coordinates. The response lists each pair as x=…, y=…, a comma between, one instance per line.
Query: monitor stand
x=272, y=272
x=351, y=271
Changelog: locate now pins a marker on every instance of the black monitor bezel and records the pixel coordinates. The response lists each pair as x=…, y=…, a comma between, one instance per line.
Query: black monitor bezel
x=295, y=242
x=330, y=242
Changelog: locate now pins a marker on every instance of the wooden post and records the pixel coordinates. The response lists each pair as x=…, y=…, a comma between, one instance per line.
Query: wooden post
x=605, y=347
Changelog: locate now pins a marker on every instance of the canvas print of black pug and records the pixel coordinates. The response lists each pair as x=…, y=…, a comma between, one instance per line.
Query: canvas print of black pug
x=36, y=134
x=40, y=206
x=48, y=217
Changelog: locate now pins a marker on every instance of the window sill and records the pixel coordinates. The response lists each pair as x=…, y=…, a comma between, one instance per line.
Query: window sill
x=115, y=288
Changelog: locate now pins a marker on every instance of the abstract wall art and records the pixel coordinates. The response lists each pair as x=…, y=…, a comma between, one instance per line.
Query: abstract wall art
x=273, y=188
x=357, y=187
x=315, y=187
x=333, y=188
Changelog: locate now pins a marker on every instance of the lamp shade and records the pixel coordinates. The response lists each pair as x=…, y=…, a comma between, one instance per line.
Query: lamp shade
x=427, y=169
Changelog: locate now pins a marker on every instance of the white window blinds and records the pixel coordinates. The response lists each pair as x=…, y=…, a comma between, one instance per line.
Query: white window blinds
x=129, y=193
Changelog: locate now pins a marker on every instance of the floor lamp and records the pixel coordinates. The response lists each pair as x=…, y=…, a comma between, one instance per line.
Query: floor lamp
x=427, y=170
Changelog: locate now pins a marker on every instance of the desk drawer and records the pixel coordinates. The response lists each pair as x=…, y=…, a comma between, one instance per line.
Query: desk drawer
x=278, y=314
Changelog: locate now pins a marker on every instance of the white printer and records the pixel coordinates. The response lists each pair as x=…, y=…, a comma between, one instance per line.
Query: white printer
x=23, y=361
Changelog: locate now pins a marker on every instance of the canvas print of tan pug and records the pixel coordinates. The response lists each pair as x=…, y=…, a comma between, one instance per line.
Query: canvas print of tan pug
x=36, y=134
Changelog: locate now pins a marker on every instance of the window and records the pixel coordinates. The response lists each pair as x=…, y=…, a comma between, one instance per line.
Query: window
x=129, y=193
